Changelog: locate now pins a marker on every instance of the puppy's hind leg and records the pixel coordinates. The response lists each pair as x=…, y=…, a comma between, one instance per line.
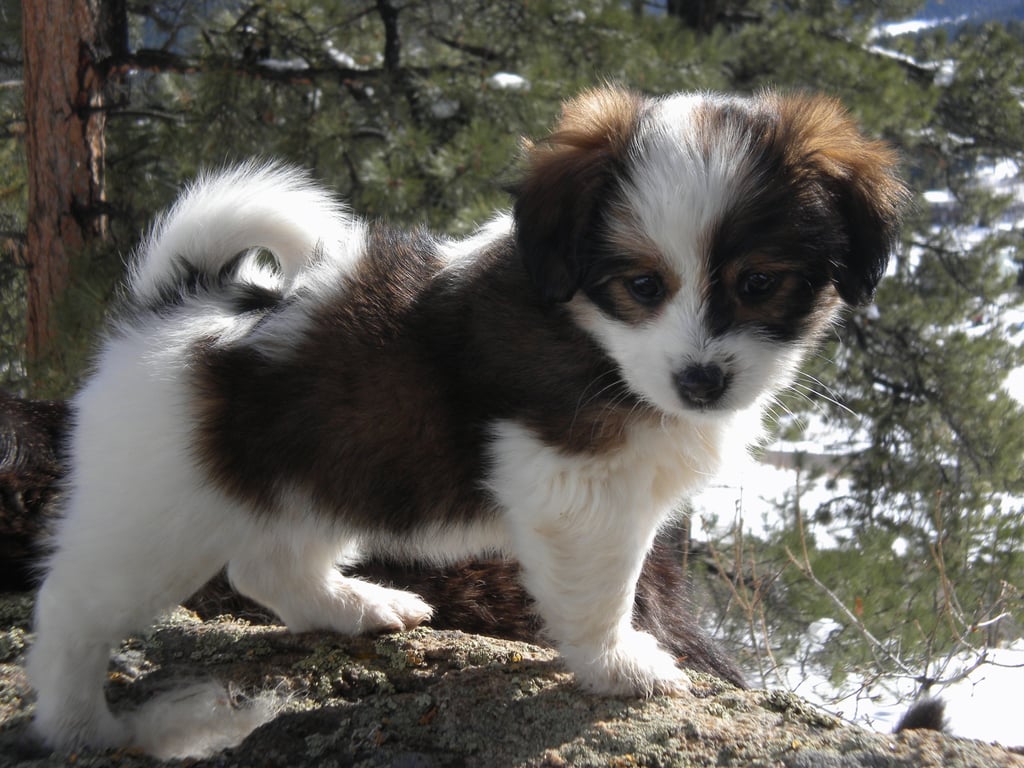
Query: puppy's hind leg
x=117, y=564
x=293, y=571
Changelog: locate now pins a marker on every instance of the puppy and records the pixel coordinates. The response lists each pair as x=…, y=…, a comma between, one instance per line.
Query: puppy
x=548, y=388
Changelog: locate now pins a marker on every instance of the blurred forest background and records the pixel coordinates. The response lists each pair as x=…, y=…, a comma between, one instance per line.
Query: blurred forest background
x=911, y=566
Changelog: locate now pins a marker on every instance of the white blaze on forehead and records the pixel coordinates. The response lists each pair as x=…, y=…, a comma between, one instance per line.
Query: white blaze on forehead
x=686, y=175
x=684, y=179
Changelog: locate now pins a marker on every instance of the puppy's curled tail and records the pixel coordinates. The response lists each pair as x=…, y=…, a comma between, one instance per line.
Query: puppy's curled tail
x=227, y=213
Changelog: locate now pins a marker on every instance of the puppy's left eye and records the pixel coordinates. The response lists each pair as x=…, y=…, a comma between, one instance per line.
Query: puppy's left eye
x=757, y=285
x=646, y=289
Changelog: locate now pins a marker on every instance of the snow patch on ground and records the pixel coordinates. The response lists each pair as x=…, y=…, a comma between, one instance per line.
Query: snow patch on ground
x=507, y=81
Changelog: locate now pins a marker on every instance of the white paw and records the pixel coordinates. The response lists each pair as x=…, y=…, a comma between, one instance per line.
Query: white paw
x=69, y=725
x=390, y=610
x=632, y=665
x=353, y=607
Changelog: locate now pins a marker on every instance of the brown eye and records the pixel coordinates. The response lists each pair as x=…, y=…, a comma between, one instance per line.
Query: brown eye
x=757, y=285
x=646, y=289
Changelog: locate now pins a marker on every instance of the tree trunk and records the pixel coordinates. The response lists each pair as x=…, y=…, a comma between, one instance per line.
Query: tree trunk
x=64, y=146
x=699, y=15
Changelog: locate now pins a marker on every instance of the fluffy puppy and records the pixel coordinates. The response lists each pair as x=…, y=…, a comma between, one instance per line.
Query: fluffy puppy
x=548, y=388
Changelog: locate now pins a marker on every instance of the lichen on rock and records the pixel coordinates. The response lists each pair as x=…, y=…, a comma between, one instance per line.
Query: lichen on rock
x=427, y=698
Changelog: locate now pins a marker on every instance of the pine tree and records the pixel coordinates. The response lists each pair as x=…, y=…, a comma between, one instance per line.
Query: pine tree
x=64, y=115
x=13, y=193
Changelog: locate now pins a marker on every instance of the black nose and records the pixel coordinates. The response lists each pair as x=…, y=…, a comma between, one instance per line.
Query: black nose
x=701, y=385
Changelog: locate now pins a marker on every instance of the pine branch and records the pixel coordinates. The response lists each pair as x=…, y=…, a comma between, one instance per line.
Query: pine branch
x=392, y=41
x=487, y=54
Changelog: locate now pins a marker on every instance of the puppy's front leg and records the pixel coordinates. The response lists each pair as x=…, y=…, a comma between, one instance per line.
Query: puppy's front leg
x=583, y=580
x=581, y=530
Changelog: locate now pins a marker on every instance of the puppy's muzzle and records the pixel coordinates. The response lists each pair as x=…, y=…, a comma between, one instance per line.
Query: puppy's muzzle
x=702, y=386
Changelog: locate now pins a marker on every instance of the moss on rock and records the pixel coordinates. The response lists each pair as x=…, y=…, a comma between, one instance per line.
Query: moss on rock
x=433, y=699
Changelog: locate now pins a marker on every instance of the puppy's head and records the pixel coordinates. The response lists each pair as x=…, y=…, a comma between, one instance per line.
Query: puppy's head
x=705, y=240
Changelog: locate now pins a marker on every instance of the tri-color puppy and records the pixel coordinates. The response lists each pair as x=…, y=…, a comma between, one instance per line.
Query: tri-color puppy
x=548, y=388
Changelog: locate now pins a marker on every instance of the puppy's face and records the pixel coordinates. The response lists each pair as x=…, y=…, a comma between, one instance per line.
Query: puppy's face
x=705, y=241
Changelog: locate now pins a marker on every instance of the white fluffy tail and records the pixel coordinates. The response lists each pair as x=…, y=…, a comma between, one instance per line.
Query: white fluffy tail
x=198, y=721
x=192, y=721
x=221, y=215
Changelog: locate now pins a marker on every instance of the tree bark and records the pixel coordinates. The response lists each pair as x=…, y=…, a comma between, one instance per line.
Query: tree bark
x=63, y=43
x=699, y=15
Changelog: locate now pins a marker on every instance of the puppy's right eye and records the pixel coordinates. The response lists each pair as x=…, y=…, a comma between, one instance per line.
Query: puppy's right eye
x=648, y=290
x=757, y=286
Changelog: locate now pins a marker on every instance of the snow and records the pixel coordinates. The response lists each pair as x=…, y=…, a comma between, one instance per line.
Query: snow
x=819, y=632
x=912, y=27
x=943, y=197
x=977, y=707
x=285, y=65
x=747, y=494
x=1001, y=173
x=980, y=705
x=444, y=109
x=945, y=73
x=944, y=70
x=507, y=81
x=340, y=58
x=915, y=26
x=900, y=546
x=1014, y=384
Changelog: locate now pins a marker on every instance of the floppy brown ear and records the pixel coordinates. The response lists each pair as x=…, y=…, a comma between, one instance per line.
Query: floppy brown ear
x=567, y=177
x=860, y=176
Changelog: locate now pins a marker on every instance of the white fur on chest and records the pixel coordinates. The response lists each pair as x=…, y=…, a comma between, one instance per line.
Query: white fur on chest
x=646, y=476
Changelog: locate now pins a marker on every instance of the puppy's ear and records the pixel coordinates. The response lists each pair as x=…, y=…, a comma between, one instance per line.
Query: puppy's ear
x=566, y=180
x=860, y=177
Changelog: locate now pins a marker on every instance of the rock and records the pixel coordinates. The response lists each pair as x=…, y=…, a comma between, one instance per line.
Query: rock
x=437, y=698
